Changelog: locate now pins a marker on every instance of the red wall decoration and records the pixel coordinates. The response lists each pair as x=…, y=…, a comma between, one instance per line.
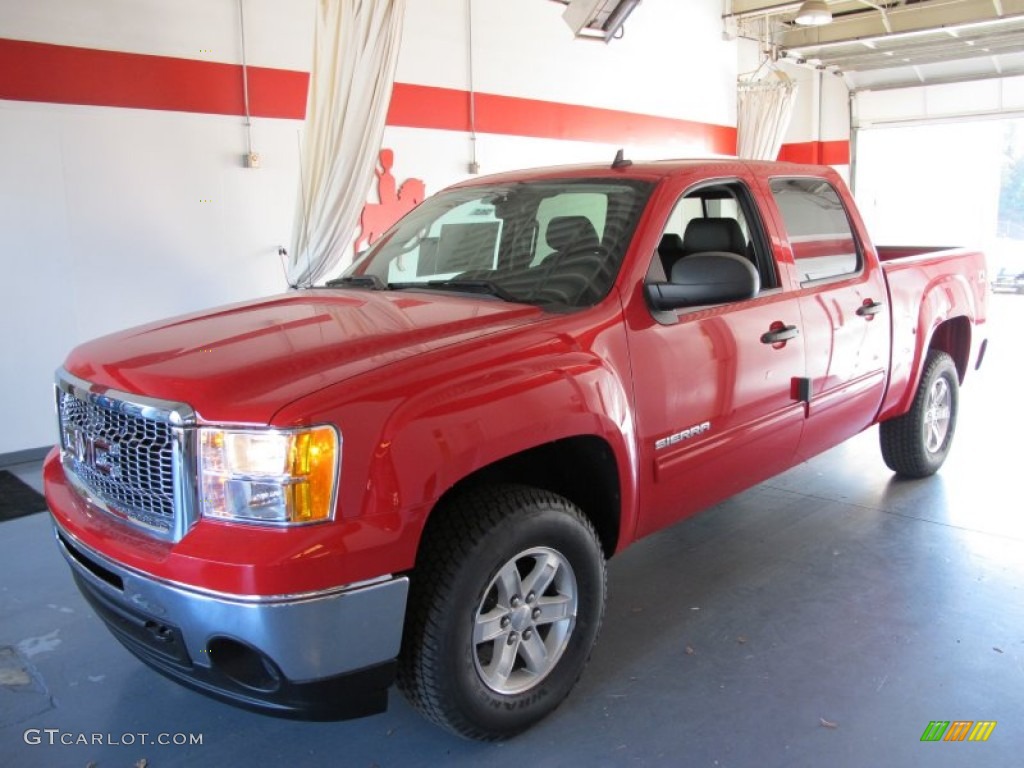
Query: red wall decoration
x=377, y=217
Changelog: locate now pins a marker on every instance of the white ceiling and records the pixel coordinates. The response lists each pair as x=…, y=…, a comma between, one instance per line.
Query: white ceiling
x=892, y=43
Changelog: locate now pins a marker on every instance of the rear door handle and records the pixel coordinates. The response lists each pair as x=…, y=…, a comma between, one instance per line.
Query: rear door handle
x=779, y=335
x=869, y=308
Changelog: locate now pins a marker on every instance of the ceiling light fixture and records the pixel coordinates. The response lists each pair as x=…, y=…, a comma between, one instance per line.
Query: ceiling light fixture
x=813, y=13
x=598, y=19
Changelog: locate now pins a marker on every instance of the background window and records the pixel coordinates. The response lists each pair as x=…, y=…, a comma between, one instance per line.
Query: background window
x=465, y=238
x=819, y=231
x=592, y=205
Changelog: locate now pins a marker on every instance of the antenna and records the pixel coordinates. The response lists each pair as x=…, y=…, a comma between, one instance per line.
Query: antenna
x=620, y=161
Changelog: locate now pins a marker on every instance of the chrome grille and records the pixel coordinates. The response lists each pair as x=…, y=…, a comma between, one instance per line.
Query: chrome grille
x=124, y=453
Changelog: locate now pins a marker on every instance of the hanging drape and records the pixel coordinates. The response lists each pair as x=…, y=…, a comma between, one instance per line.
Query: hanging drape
x=355, y=53
x=764, y=107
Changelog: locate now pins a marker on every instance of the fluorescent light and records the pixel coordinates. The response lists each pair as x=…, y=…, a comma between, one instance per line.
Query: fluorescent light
x=813, y=13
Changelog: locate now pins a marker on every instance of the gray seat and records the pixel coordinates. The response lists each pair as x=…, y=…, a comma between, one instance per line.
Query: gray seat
x=571, y=233
x=713, y=234
x=670, y=250
x=577, y=271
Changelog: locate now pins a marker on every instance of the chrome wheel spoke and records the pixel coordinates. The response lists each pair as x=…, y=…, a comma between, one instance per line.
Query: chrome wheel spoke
x=937, y=415
x=501, y=667
x=508, y=583
x=555, y=609
x=488, y=626
x=535, y=654
x=543, y=573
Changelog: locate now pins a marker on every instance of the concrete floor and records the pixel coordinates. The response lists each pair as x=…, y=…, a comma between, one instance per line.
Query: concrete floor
x=831, y=593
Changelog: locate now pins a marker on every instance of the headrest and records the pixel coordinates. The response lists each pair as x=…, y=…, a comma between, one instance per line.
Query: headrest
x=671, y=246
x=714, y=234
x=574, y=232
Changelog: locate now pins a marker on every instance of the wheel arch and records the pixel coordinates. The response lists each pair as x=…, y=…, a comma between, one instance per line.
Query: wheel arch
x=942, y=319
x=953, y=336
x=581, y=468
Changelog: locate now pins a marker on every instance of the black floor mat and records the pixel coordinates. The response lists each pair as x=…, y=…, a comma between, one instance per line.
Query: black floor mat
x=18, y=499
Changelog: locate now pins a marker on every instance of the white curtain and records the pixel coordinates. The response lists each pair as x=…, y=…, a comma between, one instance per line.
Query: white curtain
x=355, y=53
x=764, y=108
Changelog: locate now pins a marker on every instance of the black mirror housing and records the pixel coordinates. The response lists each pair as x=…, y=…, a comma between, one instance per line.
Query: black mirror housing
x=712, y=277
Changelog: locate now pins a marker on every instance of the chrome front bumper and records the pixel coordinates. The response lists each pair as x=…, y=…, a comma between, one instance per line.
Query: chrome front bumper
x=326, y=655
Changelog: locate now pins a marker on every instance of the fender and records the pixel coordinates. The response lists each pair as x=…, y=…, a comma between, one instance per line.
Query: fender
x=944, y=297
x=413, y=430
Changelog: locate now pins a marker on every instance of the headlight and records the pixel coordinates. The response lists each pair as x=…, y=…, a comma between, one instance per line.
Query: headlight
x=268, y=475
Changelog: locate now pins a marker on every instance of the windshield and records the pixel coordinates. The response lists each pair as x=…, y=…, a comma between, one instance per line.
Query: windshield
x=550, y=243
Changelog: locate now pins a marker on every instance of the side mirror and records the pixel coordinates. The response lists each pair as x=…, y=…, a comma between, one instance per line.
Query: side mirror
x=713, y=277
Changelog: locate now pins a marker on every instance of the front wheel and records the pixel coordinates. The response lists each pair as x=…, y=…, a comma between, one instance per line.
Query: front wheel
x=917, y=443
x=504, y=608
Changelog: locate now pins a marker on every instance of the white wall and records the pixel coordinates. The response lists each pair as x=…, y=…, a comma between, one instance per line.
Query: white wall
x=822, y=112
x=820, y=124
x=671, y=62
x=101, y=207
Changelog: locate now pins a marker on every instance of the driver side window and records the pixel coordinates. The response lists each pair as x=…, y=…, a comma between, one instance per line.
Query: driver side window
x=718, y=218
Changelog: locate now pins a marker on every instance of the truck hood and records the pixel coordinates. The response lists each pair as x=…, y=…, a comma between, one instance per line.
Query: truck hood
x=242, y=363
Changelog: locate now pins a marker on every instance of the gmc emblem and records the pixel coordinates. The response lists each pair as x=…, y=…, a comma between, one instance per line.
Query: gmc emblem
x=93, y=452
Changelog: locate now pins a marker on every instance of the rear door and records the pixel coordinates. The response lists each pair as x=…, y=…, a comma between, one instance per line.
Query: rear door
x=843, y=309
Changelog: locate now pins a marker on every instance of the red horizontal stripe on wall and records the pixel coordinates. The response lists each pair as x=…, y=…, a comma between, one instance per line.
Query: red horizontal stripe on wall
x=421, y=106
x=817, y=152
x=66, y=75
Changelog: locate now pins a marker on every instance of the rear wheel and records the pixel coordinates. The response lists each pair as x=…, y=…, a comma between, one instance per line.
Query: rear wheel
x=504, y=608
x=917, y=443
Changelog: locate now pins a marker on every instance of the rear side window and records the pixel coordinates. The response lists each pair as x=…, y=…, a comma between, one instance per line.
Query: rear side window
x=819, y=231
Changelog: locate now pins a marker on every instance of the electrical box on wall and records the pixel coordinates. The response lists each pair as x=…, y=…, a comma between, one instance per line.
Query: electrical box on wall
x=253, y=160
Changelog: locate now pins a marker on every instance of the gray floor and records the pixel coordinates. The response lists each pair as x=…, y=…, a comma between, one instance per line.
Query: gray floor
x=832, y=595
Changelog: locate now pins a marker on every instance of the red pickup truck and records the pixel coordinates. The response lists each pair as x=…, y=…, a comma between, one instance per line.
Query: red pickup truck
x=417, y=471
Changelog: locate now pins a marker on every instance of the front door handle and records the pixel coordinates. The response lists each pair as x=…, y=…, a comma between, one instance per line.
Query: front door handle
x=780, y=334
x=869, y=308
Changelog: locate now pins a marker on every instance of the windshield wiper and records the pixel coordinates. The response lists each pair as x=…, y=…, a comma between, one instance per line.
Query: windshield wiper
x=476, y=286
x=359, y=281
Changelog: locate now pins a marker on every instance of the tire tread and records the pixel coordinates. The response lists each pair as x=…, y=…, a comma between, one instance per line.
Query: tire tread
x=462, y=525
x=900, y=438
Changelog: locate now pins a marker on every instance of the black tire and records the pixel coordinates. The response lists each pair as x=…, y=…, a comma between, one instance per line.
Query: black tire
x=915, y=444
x=470, y=543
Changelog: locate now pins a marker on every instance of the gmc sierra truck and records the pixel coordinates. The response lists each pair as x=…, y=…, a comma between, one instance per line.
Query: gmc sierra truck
x=415, y=472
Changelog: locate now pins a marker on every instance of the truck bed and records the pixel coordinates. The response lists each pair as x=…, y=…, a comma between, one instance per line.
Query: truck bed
x=927, y=287
x=892, y=252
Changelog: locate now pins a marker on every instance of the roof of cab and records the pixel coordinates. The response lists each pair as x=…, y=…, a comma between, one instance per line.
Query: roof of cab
x=651, y=170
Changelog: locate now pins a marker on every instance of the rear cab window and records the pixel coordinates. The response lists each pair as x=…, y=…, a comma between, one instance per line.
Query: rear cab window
x=823, y=243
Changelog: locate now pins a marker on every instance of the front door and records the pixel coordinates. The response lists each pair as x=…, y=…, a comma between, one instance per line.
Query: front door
x=715, y=407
